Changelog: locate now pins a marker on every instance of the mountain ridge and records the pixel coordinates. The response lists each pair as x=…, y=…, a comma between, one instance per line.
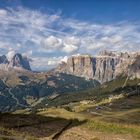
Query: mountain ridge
x=22, y=86
x=16, y=62
x=105, y=67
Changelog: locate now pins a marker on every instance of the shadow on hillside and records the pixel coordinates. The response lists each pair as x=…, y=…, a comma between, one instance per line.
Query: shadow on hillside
x=37, y=125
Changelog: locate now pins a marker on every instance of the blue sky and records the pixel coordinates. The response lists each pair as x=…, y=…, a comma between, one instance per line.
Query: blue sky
x=49, y=31
x=103, y=11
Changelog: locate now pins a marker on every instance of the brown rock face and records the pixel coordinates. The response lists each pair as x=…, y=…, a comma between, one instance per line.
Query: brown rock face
x=134, y=69
x=81, y=66
x=104, y=67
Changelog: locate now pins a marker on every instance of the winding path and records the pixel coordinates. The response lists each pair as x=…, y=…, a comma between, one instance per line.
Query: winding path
x=17, y=101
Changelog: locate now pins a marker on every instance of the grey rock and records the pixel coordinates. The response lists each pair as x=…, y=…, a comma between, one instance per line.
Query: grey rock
x=106, y=66
x=134, y=68
x=18, y=61
x=3, y=59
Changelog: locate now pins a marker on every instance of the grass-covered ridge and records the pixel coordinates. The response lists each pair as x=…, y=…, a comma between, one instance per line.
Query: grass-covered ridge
x=29, y=88
x=111, y=110
x=99, y=93
x=48, y=124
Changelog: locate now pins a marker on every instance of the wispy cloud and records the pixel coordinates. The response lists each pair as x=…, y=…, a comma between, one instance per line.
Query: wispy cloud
x=46, y=36
x=48, y=63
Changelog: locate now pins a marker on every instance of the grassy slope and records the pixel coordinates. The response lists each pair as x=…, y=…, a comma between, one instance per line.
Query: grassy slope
x=98, y=93
x=120, y=119
x=26, y=88
x=48, y=122
x=121, y=116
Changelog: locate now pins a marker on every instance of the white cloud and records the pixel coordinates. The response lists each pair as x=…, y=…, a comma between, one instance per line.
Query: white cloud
x=71, y=44
x=64, y=59
x=72, y=40
x=52, y=43
x=65, y=44
x=28, y=53
x=44, y=63
x=69, y=48
x=10, y=55
x=41, y=34
x=52, y=62
x=3, y=13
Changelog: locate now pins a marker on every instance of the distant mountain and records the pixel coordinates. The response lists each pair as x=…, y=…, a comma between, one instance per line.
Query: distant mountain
x=17, y=61
x=99, y=93
x=106, y=66
x=3, y=59
x=22, y=89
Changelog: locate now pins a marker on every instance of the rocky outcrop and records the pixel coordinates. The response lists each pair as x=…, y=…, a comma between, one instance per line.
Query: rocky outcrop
x=81, y=65
x=134, y=68
x=106, y=66
x=17, y=61
x=3, y=59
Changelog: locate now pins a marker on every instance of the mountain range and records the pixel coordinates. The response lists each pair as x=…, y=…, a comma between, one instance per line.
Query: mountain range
x=87, y=97
x=17, y=61
x=105, y=67
x=20, y=87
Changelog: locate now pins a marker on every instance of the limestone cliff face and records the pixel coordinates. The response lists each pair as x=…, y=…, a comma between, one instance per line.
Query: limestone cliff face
x=81, y=66
x=134, y=69
x=104, y=67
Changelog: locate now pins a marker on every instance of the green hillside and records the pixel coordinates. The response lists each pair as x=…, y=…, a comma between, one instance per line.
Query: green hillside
x=99, y=93
x=30, y=88
x=108, y=111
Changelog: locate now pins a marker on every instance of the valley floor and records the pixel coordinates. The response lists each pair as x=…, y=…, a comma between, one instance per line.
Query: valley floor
x=81, y=133
x=57, y=128
x=115, y=122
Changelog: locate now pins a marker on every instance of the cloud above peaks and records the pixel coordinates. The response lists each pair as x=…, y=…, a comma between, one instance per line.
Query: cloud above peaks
x=52, y=43
x=10, y=55
x=64, y=44
x=71, y=44
x=44, y=36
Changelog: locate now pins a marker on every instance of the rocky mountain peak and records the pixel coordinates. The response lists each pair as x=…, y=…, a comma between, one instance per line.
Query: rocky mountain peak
x=16, y=61
x=3, y=59
x=104, y=67
x=19, y=61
